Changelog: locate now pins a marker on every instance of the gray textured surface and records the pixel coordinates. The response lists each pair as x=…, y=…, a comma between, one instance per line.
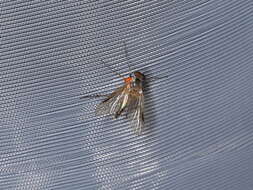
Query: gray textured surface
x=199, y=131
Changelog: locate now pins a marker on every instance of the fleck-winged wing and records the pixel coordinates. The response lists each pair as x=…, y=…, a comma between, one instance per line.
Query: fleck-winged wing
x=113, y=103
x=135, y=111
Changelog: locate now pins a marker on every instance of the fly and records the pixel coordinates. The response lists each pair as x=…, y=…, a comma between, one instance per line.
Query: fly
x=128, y=99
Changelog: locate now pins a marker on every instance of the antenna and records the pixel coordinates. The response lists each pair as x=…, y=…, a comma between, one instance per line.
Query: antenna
x=126, y=53
x=115, y=72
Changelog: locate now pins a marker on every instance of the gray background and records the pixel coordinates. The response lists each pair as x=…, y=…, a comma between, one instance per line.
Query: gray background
x=198, y=132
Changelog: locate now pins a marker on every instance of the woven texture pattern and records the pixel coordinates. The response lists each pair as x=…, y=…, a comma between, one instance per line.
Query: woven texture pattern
x=198, y=119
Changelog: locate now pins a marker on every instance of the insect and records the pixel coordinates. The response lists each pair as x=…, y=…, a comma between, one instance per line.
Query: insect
x=128, y=99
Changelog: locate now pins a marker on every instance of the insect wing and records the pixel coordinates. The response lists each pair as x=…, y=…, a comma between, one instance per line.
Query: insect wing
x=135, y=111
x=113, y=103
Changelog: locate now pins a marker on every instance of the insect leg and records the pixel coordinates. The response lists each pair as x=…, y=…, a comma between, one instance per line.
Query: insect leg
x=119, y=112
x=94, y=96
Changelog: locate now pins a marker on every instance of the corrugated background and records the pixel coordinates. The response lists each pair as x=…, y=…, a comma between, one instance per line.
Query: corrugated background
x=198, y=133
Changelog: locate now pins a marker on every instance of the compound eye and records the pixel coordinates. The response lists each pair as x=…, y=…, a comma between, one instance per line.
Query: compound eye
x=139, y=75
